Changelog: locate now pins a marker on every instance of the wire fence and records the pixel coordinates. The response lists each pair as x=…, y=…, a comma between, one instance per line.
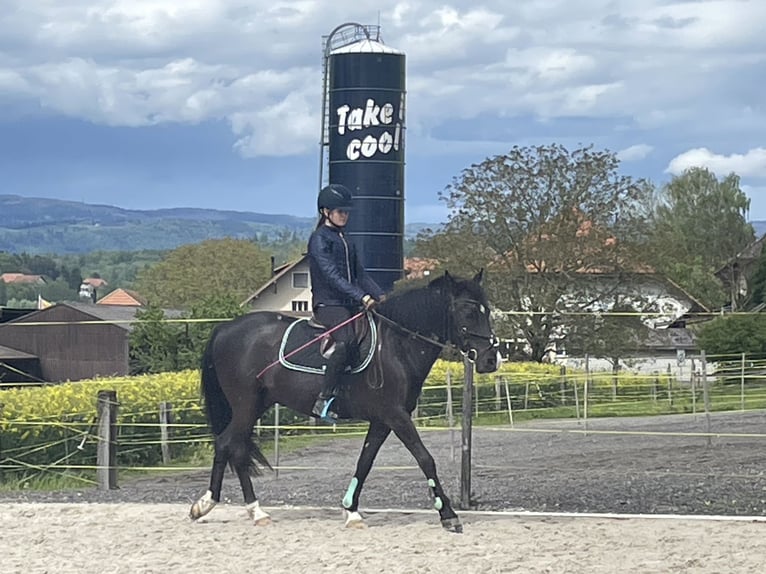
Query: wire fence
x=174, y=435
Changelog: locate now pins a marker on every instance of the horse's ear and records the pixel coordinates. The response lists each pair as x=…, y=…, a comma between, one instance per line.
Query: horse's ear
x=445, y=280
x=477, y=278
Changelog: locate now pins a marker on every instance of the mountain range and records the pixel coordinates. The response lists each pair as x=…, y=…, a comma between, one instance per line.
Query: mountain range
x=55, y=226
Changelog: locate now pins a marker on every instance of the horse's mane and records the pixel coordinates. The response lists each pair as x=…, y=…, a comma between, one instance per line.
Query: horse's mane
x=406, y=306
x=424, y=308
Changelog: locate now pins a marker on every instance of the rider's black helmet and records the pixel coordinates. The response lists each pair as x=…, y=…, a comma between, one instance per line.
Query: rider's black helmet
x=334, y=196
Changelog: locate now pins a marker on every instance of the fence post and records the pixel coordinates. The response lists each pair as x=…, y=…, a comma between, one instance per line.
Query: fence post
x=106, y=454
x=276, y=440
x=563, y=384
x=706, y=395
x=166, y=419
x=585, y=394
x=742, y=385
x=577, y=398
x=694, y=387
x=465, y=467
x=508, y=401
x=670, y=386
x=450, y=416
x=526, y=395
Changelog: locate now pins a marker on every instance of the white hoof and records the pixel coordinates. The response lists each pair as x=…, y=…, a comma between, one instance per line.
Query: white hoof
x=204, y=505
x=258, y=516
x=355, y=520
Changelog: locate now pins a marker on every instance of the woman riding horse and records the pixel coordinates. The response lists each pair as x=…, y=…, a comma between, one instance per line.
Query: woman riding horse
x=339, y=286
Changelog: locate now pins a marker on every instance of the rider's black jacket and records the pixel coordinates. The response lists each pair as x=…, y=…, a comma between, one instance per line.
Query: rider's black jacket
x=337, y=276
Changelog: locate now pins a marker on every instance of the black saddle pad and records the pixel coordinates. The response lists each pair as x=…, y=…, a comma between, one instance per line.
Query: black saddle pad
x=301, y=348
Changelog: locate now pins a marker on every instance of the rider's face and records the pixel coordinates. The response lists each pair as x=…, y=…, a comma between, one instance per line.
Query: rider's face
x=338, y=217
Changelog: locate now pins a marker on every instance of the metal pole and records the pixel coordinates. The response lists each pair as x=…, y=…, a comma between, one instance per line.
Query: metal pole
x=465, y=467
x=450, y=417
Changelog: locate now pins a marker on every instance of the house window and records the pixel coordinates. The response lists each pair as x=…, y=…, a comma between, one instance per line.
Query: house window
x=300, y=280
x=300, y=306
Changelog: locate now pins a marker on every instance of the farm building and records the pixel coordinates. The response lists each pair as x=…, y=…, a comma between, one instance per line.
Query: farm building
x=67, y=341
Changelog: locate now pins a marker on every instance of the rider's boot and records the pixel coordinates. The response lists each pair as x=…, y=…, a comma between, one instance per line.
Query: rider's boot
x=334, y=368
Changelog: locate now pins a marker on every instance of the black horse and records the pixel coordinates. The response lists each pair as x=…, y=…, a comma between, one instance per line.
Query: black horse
x=241, y=380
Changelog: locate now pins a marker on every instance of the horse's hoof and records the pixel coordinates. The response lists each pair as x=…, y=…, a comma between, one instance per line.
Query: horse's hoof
x=452, y=525
x=258, y=516
x=204, y=505
x=355, y=520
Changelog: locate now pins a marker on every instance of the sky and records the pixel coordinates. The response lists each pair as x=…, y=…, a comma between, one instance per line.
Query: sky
x=147, y=104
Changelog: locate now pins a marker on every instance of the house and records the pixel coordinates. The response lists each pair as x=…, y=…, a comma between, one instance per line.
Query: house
x=70, y=341
x=124, y=297
x=419, y=267
x=736, y=273
x=289, y=290
x=96, y=282
x=22, y=279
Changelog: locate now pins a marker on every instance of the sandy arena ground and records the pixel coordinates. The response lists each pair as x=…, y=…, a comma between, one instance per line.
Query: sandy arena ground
x=158, y=538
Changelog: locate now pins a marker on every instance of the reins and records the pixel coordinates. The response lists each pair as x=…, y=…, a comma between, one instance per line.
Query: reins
x=412, y=333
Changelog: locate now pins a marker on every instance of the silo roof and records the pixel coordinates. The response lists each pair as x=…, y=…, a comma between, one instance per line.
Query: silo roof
x=365, y=46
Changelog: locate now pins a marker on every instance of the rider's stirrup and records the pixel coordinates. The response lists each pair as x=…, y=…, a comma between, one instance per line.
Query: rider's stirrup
x=326, y=415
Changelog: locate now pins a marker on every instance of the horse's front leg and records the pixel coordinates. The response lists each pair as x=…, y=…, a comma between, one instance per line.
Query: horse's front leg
x=404, y=428
x=377, y=434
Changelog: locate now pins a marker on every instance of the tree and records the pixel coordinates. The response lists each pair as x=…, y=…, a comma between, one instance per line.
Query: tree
x=204, y=316
x=153, y=343
x=192, y=273
x=734, y=334
x=158, y=345
x=700, y=224
x=542, y=219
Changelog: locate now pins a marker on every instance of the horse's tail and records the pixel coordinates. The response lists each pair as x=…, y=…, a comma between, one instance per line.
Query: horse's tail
x=218, y=413
x=217, y=407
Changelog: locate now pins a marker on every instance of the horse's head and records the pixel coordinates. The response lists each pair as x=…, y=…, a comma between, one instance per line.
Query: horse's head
x=470, y=326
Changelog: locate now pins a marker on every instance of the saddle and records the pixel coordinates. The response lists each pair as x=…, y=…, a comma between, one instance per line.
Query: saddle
x=298, y=353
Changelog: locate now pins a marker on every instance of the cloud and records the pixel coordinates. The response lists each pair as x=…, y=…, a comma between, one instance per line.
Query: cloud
x=750, y=164
x=677, y=66
x=634, y=152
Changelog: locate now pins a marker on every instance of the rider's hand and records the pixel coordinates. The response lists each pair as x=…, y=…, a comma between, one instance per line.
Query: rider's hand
x=368, y=302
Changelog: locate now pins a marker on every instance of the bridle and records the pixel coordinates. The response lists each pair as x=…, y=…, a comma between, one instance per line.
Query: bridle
x=463, y=333
x=465, y=348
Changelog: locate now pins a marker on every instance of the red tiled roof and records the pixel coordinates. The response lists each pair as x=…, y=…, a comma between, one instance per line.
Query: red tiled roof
x=21, y=278
x=417, y=267
x=95, y=281
x=123, y=297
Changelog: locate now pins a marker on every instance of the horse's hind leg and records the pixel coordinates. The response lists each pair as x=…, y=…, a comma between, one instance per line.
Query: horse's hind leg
x=405, y=430
x=235, y=445
x=213, y=495
x=243, y=453
x=376, y=436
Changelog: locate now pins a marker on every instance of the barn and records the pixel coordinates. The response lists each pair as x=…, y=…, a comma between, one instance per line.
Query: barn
x=67, y=342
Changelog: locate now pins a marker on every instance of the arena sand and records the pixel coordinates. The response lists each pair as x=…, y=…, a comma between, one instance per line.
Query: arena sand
x=131, y=538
